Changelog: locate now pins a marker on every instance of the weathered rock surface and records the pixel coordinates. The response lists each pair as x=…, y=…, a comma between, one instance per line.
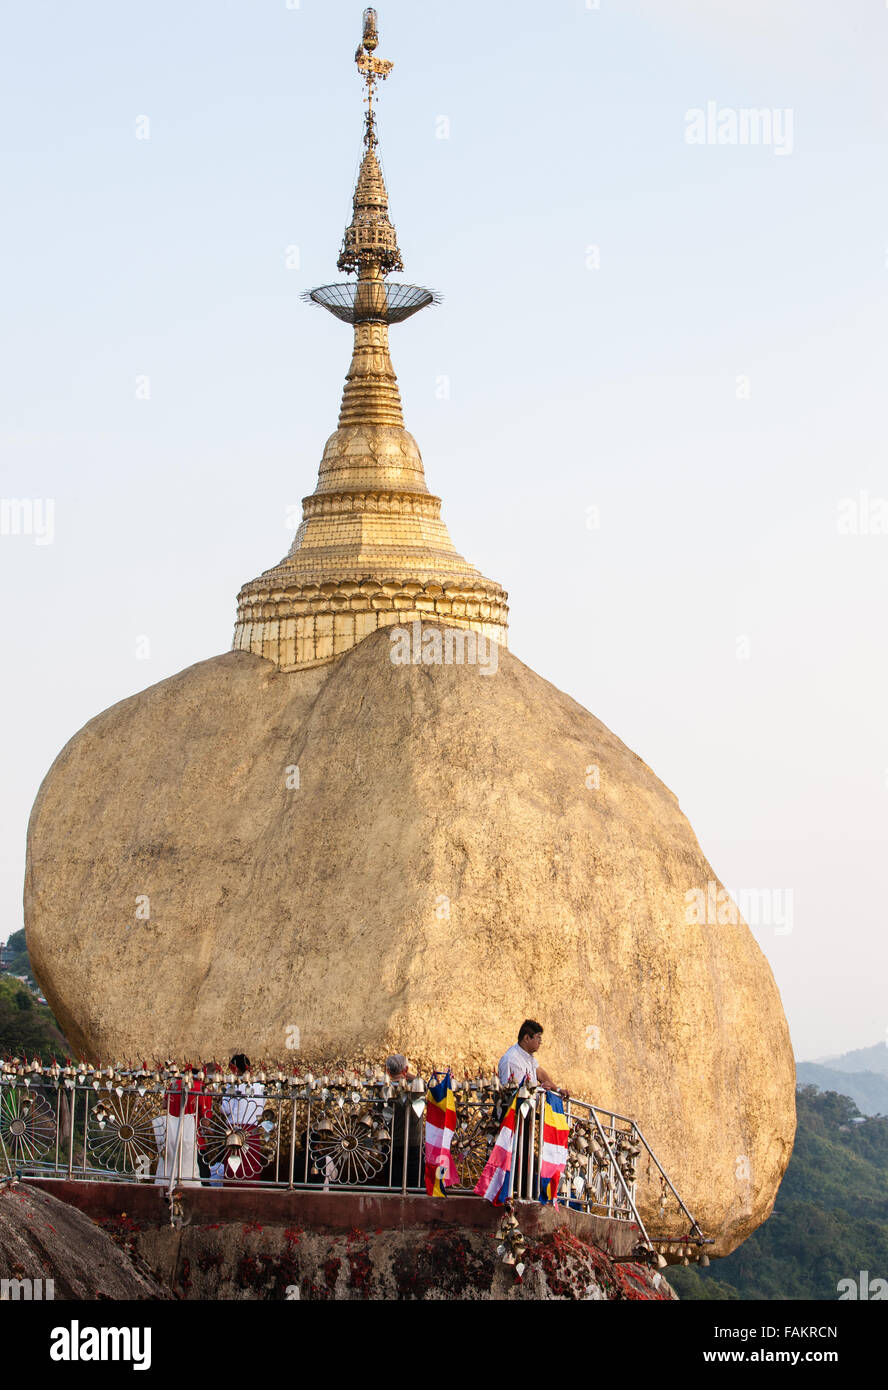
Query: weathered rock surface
x=252, y=1243
x=431, y=1264
x=43, y=1239
x=441, y=871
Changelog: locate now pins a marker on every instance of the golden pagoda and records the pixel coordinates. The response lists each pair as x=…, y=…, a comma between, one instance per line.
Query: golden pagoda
x=372, y=550
x=375, y=854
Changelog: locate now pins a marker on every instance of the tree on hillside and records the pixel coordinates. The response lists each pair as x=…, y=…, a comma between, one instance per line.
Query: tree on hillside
x=26, y=1027
x=19, y=960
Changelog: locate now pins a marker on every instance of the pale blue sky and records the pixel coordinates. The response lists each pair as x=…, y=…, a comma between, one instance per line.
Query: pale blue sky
x=570, y=388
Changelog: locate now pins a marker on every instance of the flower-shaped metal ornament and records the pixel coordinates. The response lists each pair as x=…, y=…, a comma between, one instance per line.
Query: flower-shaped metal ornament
x=349, y=1145
x=238, y=1134
x=470, y=1146
x=121, y=1133
x=27, y=1127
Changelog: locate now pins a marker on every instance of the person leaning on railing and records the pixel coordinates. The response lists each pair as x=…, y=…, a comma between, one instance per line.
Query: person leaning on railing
x=518, y=1065
x=519, y=1062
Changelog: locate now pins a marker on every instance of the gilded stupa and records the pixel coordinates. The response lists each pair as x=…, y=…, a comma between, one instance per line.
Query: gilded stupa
x=372, y=549
x=303, y=843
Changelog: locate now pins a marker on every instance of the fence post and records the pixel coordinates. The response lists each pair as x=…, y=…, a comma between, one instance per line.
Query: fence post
x=407, y=1111
x=178, y=1154
x=293, y=1143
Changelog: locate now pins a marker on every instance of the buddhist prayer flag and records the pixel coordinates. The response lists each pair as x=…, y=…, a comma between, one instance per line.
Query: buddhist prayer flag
x=440, y=1169
x=549, y=1190
x=553, y=1155
x=434, y=1180
x=495, y=1183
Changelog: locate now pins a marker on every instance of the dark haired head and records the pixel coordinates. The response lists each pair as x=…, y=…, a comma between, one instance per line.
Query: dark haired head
x=239, y=1063
x=528, y=1028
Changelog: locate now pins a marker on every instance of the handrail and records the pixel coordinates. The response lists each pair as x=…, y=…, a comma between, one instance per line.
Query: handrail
x=346, y=1132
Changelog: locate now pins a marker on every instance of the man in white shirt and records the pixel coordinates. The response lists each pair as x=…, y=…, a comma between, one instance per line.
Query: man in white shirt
x=517, y=1065
x=520, y=1063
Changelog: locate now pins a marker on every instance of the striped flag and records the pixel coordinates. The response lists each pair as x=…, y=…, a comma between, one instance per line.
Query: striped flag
x=495, y=1183
x=440, y=1169
x=554, y=1151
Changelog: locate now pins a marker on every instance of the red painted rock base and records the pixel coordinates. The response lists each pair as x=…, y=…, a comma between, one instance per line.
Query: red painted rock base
x=261, y=1245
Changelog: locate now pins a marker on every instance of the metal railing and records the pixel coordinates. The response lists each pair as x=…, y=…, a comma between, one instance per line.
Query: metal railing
x=332, y=1133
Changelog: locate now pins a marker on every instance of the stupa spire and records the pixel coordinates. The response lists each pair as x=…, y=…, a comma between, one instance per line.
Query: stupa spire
x=370, y=247
x=372, y=549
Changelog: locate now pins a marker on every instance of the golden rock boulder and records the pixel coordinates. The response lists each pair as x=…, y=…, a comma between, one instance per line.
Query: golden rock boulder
x=369, y=856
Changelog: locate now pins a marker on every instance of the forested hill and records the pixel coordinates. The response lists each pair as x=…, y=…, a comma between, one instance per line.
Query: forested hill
x=830, y=1220
x=868, y=1088
x=19, y=962
x=873, y=1058
x=27, y=1028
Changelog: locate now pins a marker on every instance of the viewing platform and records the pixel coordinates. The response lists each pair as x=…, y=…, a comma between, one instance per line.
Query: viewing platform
x=176, y=1147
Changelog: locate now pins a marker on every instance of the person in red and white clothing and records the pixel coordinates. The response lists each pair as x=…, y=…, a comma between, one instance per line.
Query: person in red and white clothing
x=192, y=1167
